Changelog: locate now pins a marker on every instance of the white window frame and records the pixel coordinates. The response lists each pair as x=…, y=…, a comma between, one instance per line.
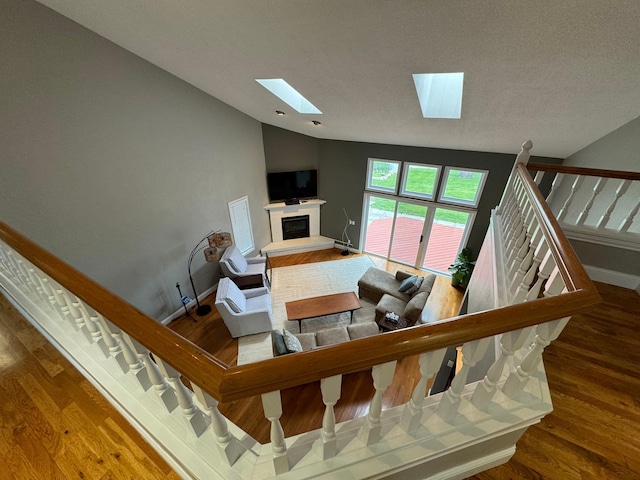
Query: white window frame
x=372, y=188
x=240, y=216
x=456, y=201
x=405, y=176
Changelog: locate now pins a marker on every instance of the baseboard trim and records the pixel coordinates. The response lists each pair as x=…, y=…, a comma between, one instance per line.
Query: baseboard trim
x=180, y=312
x=619, y=279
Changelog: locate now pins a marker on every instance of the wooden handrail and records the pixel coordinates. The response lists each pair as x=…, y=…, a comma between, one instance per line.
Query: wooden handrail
x=573, y=274
x=202, y=367
x=233, y=383
x=591, y=172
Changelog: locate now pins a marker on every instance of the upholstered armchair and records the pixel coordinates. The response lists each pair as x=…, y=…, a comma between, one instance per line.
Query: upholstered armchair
x=244, y=312
x=234, y=264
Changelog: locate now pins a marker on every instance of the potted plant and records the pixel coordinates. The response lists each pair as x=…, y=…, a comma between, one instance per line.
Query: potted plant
x=461, y=269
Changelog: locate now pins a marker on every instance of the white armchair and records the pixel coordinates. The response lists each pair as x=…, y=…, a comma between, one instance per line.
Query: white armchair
x=233, y=264
x=244, y=312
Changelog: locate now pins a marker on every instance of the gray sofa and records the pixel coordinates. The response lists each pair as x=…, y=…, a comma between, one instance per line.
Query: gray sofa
x=321, y=338
x=384, y=288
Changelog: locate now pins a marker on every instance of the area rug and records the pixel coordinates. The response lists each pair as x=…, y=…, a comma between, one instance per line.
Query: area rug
x=303, y=281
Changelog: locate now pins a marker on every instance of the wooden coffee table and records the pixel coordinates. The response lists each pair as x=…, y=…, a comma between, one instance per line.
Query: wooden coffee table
x=299, y=310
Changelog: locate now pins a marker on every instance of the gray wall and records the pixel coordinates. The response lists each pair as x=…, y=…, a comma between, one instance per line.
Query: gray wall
x=114, y=165
x=619, y=150
x=342, y=169
x=286, y=151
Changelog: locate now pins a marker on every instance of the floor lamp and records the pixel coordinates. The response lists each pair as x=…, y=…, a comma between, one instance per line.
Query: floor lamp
x=216, y=239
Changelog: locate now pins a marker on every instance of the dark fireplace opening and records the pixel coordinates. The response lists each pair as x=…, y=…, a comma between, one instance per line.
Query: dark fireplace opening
x=295, y=227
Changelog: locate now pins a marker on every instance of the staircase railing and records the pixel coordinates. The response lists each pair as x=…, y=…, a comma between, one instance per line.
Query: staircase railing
x=593, y=205
x=527, y=284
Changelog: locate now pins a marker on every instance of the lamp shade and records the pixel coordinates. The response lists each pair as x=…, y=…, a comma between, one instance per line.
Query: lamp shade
x=222, y=239
x=211, y=254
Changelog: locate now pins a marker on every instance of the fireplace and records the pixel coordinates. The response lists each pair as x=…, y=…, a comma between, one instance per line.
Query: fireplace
x=295, y=227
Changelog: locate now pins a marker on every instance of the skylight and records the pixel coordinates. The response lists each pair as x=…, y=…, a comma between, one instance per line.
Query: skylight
x=288, y=94
x=440, y=94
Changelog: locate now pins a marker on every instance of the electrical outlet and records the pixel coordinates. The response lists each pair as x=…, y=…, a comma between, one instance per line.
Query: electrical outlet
x=352, y=222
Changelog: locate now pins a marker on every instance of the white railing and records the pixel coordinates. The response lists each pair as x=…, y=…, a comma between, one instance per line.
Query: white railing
x=468, y=428
x=593, y=205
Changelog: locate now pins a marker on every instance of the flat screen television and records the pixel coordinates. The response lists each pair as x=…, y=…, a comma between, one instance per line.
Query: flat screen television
x=285, y=186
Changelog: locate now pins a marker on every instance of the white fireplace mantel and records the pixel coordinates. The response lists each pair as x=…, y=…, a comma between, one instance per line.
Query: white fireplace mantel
x=278, y=211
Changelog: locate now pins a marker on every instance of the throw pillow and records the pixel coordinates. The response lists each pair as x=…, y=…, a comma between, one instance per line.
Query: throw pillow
x=407, y=283
x=278, y=341
x=292, y=343
x=237, y=261
x=414, y=308
x=234, y=297
x=414, y=288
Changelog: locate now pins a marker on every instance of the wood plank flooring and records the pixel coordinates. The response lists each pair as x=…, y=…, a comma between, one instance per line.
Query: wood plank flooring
x=56, y=425
x=53, y=423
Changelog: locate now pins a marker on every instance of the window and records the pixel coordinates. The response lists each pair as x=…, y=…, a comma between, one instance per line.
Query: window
x=417, y=216
x=241, y=224
x=383, y=175
x=462, y=186
x=419, y=181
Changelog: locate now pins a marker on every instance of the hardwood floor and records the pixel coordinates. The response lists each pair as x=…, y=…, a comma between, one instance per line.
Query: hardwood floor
x=56, y=425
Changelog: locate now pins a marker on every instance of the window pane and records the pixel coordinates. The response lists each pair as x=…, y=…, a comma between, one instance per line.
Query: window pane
x=379, y=223
x=407, y=233
x=420, y=180
x=383, y=175
x=463, y=186
x=445, y=239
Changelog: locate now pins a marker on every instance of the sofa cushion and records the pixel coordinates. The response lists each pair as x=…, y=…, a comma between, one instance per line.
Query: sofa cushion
x=414, y=308
x=278, y=342
x=307, y=340
x=236, y=260
x=292, y=343
x=233, y=296
x=361, y=330
x=375, y=283
x=331, y=336
x=427, y=284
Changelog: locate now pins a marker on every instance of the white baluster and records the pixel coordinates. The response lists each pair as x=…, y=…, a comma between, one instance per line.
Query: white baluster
x=528, y=260
x=272, y=406
x=228, y=446
x=621, y=190
x=371, y=431
x=197, y=420
x=115, y=350
x=587, y=208
x=165, y=393
x=557, y=180
x=330, y=388
x=547, y=266
x=577, y=183
x=412, y=414
x=626, y=223
x=509, y=344
x=135, y=363
x=472, y=352
x=538, y=178
x=91, y=330
x=546, y=333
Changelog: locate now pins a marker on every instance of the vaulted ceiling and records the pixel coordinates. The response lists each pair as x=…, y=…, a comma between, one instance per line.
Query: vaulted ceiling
x=561, y=73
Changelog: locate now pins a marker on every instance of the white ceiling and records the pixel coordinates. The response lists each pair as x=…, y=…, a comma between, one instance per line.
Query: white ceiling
x=563, y=73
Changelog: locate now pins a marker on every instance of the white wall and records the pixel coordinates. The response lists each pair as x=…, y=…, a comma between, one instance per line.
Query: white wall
x=114, y=165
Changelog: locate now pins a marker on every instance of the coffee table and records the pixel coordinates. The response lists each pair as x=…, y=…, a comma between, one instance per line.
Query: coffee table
x=299, y=310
